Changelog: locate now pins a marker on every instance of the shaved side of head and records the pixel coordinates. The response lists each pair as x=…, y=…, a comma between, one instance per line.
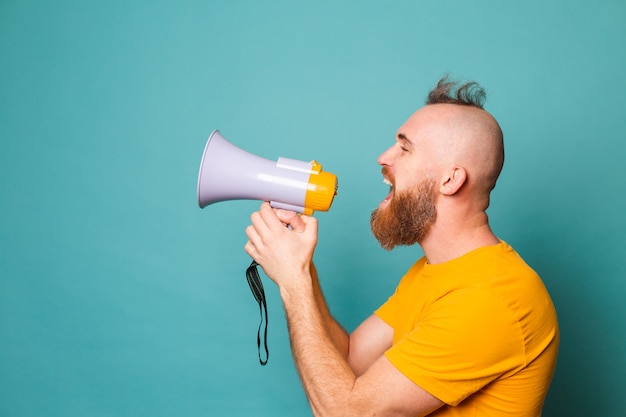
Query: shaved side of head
x=466, y=134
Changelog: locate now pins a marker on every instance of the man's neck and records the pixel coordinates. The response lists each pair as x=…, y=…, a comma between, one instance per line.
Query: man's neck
x=450, y=240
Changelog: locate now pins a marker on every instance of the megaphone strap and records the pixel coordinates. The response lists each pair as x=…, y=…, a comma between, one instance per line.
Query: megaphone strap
x=256, y=286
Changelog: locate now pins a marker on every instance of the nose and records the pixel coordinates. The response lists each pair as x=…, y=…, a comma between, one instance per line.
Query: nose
x=386, y=157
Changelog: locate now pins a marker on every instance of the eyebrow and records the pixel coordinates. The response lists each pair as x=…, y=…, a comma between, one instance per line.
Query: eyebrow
x=404, y=139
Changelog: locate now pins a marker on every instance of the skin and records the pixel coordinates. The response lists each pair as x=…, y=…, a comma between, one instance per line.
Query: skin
x=461, y=147
x=347, y=374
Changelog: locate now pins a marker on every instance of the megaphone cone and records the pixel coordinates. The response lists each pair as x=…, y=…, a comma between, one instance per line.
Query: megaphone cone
x=230, y=173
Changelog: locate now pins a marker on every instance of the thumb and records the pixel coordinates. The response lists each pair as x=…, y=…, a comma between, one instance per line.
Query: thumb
x=292, y=219
x=309, y=225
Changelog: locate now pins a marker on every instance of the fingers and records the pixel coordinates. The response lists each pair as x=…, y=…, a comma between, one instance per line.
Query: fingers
x=263, y=230
x=279, y=217
x=268, y=224
x=253, y=236
x=282, y=252
x=292, y=219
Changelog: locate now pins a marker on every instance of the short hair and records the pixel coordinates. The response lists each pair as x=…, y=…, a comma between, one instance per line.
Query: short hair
x=453, y=92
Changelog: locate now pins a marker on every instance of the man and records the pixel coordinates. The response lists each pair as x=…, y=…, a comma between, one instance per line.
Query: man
x=470, y=330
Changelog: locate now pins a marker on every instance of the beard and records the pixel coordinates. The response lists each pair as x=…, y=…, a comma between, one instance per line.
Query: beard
x=408, y=217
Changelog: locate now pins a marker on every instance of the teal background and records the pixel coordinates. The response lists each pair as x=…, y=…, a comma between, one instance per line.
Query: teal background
x=120, y=297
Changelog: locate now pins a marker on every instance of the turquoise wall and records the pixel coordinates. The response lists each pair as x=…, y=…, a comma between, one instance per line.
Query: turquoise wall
x=120, y=297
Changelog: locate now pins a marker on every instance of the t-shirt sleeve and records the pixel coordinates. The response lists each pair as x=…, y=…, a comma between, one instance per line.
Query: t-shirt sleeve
x=467, y=339
x=388, y=311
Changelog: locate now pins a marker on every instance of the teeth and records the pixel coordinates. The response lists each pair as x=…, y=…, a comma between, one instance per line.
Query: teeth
x=386, y=181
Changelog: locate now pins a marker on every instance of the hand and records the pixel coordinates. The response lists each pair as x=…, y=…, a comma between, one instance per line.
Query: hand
x=284, y=254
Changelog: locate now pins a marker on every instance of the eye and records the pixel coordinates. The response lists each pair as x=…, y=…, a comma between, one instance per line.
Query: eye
x=404, y=143
x=403, y=146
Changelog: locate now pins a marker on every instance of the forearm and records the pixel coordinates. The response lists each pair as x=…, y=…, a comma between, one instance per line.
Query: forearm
x=326, y=376
x=336, y=332
x=319, y=344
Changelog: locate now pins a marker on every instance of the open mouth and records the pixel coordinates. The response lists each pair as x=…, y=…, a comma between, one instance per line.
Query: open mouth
x=390, y=195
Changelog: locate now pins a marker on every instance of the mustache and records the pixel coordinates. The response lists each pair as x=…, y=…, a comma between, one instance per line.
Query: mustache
x=386, y=172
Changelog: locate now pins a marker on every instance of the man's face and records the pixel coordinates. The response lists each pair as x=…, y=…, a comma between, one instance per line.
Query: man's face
x=406, y=215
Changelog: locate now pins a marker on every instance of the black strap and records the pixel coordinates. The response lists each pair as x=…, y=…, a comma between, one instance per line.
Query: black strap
x=254, y=281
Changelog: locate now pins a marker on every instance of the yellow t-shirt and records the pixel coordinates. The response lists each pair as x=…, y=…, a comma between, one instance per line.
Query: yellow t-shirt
x=479, y=332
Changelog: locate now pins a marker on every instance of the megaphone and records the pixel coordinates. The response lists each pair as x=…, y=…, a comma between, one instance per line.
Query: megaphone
x=230, y=173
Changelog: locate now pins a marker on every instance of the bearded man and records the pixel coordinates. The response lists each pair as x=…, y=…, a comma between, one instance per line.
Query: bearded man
x=470, y=330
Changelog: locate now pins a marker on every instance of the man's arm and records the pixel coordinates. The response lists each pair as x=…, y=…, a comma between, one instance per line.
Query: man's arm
x=337, y=334
x=368, y=343
x=332, y=386
x=365, y=344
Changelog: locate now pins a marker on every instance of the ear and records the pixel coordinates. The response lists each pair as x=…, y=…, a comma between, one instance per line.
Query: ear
x=452, y=182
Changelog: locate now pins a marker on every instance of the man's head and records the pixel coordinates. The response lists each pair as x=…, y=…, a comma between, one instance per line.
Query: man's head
x=449, y=150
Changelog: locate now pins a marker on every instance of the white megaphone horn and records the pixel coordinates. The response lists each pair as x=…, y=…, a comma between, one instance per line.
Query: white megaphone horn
x=230, y=173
